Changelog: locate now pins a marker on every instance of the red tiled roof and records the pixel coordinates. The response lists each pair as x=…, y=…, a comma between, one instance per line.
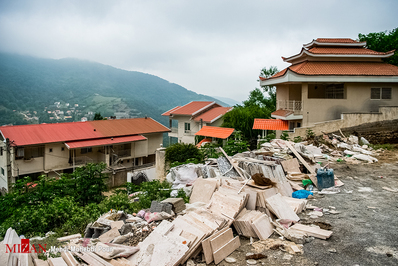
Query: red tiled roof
x=345, y=68
x=313, y=68
x=74, y=131
x=215, y=132
x=170, y=111
x=336, y=40
x=281, y=112
x=212, y=114
x=102, y=142
x=190, y=108
x=345, y=50
x=270, y=124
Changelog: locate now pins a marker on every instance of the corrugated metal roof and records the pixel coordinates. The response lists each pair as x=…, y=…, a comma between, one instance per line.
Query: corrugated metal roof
x=270, y=124
x=102, y=142
x=212, y=114
x=125, y=127
x=215, y=132
x=74, y=131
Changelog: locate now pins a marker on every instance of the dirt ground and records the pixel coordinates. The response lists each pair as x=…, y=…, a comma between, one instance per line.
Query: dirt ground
x=365, y=232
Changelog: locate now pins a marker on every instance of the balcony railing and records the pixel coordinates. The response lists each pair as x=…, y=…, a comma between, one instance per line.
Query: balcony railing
x=295, y=106
x=80, y=160
x=122, y=153
x=174, y=130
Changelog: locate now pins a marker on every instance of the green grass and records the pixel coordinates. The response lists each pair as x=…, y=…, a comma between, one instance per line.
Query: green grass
x=384, y=146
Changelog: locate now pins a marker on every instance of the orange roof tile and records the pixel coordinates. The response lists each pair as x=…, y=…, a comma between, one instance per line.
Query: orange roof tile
x=74, y=131
x=212, y=114
x=191, y=108
x=281, y=112
x=202, y=142
x=270, y=124
x=345, y=51
x=215, y=132
x=345, y=68
x=313, y=68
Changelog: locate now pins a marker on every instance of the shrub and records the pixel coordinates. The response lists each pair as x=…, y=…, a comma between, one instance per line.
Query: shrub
x=181, y=152
x=61, y=214
x=285, y=135
x=297, y=139
x=309, y=134
x=209, y=150
x=235, y=146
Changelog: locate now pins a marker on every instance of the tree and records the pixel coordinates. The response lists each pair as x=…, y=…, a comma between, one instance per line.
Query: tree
x=271, y=90
x=384, y=41
x=256, y=106
x=98, y=116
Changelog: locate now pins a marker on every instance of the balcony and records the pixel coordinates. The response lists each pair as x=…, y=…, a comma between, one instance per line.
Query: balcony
x=122, y=153
x=82, y=160
x=174, y=132
x=291, y=105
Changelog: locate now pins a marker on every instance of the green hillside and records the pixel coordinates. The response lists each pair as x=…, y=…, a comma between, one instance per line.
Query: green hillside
x=30, y=86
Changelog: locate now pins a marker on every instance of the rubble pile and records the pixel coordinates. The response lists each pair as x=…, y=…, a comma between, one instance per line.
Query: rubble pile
x=256, y=193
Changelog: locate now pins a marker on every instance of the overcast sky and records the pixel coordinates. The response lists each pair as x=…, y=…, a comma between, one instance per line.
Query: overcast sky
x=211, y=47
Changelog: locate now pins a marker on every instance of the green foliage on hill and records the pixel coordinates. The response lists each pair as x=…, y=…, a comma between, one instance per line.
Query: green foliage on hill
x=28, y=83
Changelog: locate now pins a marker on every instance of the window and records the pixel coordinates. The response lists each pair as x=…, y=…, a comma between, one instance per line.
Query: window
x=86, y=150
x=20, y=152
x=1, y=151
x=51, y=149
x=380, y=93
x=334, y=91
x=30, y=152
x=63, y=148
x=2, y=171
x=187, y=127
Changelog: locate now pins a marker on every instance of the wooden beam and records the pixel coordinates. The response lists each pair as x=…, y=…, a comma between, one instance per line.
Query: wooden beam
x=309, y=168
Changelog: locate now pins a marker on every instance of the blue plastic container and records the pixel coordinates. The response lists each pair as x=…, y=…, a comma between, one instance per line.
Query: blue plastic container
x=325, y=178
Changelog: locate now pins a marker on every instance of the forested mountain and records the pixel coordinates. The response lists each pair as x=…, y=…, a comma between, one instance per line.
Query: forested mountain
x=35, y=87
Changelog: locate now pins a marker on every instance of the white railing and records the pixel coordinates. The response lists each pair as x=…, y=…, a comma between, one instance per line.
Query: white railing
x=295, y=106
x=174, y=130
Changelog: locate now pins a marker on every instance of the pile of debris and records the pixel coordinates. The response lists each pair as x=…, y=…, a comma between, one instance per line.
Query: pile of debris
x=253, y=193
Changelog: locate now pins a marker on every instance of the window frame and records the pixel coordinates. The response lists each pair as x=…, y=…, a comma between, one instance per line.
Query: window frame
x=187, y=127
x=380, y=93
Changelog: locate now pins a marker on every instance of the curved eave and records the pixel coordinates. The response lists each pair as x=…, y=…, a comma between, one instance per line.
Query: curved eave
x=292, y=77
x=305, y=52
x=316, y=43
